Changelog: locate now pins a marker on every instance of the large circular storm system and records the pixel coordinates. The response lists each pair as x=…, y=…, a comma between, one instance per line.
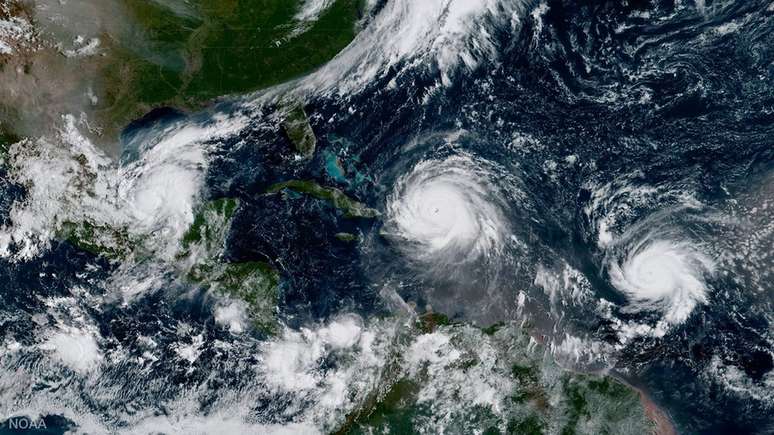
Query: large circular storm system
x=387, y=216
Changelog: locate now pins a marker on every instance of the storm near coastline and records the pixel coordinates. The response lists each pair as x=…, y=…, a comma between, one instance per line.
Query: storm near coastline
x=469, y=216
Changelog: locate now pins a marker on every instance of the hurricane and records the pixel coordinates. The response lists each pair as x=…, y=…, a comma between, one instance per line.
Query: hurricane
x=662, y=275
x=447, y=212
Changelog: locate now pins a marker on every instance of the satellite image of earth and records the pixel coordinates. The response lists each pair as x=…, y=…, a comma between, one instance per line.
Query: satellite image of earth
x=387, y=217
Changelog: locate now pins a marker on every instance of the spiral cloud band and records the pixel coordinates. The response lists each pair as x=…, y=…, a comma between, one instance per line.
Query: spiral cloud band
x=447, y=211
x=659, y=274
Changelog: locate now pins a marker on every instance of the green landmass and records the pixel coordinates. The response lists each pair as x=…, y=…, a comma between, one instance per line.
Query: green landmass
x=298, y=130
x=200, y=259
x=216, y=48
x=210, y=223
x=544, y=398
x=7, y=138
x=429, y=322
x=347, y=237
x=337, y=198
x=491, y=329
x=162, y=53
x=253, y=282
x=395, y=410
x=97, y=239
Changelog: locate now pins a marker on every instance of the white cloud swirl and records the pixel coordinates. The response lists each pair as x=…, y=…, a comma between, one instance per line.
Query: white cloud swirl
x=662, y=274
x=447, y=212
